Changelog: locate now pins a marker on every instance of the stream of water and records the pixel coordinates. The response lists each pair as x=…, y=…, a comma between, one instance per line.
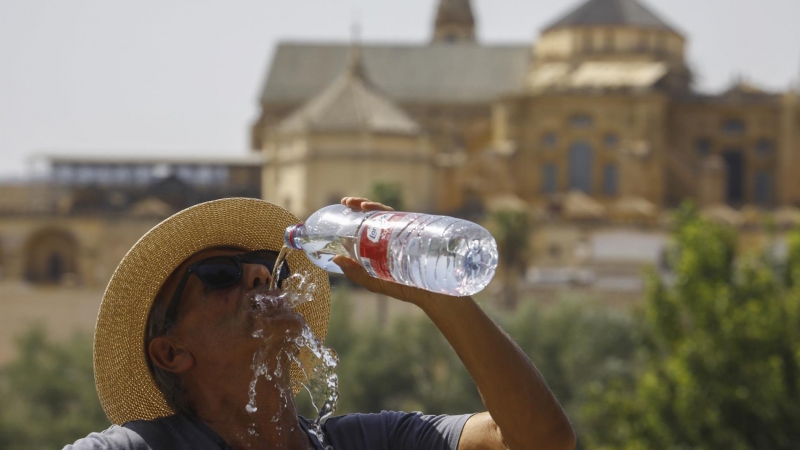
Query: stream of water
x=305, y=350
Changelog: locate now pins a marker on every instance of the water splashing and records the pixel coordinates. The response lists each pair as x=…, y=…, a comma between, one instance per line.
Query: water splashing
x=276, y=270
x=304, y=349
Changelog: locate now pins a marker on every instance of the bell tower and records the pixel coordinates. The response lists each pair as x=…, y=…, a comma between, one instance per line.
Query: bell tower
x=454, y=22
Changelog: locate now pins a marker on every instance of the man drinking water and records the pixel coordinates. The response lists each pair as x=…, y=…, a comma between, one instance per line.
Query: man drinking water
x=176, y=337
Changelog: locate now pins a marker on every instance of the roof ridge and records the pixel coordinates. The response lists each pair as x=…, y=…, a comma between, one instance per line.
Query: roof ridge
x=350, y=103
x=359, y=88
x=454, y=73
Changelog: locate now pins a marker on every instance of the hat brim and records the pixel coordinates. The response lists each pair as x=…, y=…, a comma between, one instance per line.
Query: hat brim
x=124, y=383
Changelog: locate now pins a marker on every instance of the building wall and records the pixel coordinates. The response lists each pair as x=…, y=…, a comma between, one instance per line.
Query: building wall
x=651, y=139
x=742, y=134
x=789, y=150
x=594, y=42
x=89, y=247
x=550, y=131
x=306, y=172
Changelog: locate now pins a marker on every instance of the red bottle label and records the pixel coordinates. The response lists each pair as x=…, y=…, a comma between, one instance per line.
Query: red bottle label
x=373, y=242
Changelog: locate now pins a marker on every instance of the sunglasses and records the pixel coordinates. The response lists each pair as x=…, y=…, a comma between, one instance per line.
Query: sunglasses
x=218, y=272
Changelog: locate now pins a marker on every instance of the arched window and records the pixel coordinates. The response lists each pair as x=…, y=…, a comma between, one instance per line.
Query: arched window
x=549, y=140
x=702, y=146
x=549, y=178
x=2, y=262
x=610, y=179
x=765, y=147
x=581, y=121
x=733, y=127
x=610, y=140
x=581, y=161
x=51, y=257
x=763, y=189
x=735, y=168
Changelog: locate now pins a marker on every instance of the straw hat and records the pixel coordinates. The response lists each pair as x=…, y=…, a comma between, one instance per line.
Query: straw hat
x=124, y=383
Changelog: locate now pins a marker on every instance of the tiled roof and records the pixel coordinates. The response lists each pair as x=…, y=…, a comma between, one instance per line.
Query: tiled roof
x=611, y=12
x=349, y=103
x=436, y=73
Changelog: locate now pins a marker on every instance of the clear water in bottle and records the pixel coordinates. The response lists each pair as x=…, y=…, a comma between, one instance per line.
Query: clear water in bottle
x=437, y=253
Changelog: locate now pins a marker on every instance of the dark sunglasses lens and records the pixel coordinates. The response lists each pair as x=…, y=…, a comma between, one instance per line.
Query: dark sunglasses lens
x=219, y=272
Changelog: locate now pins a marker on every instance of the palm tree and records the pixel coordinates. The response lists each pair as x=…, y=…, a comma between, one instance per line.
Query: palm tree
x=511, y=227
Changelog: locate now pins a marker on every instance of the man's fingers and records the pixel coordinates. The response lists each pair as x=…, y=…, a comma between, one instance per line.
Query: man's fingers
x=353, y=271
x=354, y=202
x=375, y=206
x=364, y=204
x=358, y=275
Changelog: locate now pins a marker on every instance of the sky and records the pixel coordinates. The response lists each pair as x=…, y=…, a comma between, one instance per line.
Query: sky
x=183, y=77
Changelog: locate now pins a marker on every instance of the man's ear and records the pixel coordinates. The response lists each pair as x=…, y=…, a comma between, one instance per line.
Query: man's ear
x=168, y=355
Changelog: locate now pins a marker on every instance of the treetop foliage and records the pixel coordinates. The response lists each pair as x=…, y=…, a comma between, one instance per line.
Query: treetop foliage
x=720, y=363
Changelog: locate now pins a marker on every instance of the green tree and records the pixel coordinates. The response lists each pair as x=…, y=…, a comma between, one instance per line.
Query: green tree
x=720, y=353
x=48, y=394
x=407, y=365
x=574, y=343
x=388, y=193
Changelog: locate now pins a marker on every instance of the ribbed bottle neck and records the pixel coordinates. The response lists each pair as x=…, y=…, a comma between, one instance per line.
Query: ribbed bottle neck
x=291, y=234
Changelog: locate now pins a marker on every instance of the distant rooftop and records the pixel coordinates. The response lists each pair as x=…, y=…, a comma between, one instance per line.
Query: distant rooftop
x=350, y=103
x=252, y=159
x=612, y=12
x=445, y=73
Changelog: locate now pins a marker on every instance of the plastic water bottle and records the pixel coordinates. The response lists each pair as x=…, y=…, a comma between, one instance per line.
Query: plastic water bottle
x=437, y=253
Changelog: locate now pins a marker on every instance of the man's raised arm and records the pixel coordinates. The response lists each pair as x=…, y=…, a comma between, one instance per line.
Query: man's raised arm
x=522, y=412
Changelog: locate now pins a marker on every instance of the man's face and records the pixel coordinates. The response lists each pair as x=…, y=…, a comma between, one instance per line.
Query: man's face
x=222, y=328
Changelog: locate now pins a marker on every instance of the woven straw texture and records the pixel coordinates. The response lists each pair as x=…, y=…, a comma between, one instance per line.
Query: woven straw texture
x=125, y=386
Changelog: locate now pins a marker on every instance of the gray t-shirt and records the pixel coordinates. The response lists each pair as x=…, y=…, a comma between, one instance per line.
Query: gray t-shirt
x=388, y=430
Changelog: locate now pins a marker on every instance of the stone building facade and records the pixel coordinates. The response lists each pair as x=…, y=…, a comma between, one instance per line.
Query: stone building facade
x=602, y=103
x=75, y=227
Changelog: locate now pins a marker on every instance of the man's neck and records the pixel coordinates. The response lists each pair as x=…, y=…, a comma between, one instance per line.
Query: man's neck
x=274, y=424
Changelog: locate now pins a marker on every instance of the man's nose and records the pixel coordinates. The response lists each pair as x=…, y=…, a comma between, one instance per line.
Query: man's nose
x=255, y=275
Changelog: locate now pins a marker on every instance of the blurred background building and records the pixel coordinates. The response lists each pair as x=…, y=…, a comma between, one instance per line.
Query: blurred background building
x=593, y=130
x=600, y=104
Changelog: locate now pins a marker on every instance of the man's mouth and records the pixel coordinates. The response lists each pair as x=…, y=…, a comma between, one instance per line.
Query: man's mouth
x=264, y=301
